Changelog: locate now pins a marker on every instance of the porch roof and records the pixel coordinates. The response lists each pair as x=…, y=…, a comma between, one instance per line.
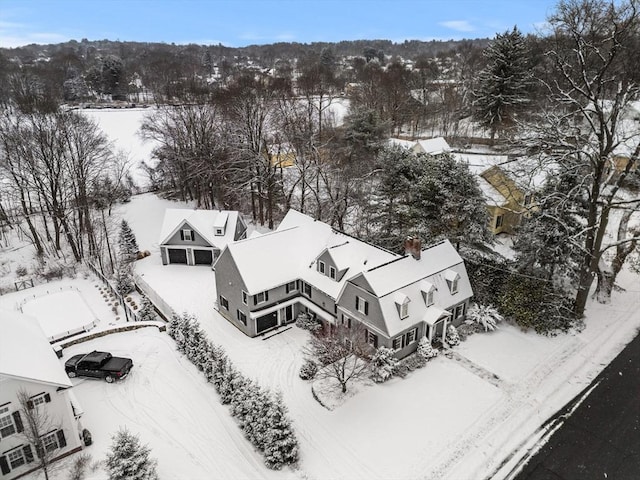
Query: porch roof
x=301, y=300
x=433, y=314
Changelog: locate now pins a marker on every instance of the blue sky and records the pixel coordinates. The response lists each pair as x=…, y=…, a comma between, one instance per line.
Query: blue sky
x=245, y=22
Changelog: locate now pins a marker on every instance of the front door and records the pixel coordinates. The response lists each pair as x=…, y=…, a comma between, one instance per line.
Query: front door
x=288, y=314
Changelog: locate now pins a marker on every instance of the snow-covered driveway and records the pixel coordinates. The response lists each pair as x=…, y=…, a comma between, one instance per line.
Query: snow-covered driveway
x=167, y=402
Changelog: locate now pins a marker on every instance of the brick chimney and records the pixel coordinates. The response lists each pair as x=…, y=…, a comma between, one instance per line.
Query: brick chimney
x=413, y=246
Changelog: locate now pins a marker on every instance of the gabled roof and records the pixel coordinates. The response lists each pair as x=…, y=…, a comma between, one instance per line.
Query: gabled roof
x=432, y=146
x=25, y=352
x=203, y=222
x=406, y=278
x=290, y=253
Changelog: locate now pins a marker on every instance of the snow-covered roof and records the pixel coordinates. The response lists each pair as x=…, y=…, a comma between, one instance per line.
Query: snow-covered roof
x=406, y=278
x=290, y=252
x=204, y=222
x=432, y=146
x=25, y=352
x=398, y=142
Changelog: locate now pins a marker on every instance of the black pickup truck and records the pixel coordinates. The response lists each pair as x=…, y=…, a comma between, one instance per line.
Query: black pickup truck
x=98, y=365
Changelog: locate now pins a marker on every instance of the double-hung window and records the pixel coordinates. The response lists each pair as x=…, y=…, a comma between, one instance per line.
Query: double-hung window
x=332, y=272
x=321, y=267
x=16, y=458
x=242, y=317
x=6, y=423
x=187, y=235
x=362, y=305
x=224, y=303
x=245, y=297
x=261, y=297
x=411, y=336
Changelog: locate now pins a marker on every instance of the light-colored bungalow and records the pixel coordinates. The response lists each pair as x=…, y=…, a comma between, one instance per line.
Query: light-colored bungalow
x=28, y=364
x=306, y=266
x=196, y=237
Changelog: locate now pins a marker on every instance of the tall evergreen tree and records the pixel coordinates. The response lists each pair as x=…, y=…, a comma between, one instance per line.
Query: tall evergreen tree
x=127, y=459
x=281, y=446
x=505, y=82
x=127, y=242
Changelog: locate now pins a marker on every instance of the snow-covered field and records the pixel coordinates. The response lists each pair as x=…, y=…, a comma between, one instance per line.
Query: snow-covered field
x=121, y=125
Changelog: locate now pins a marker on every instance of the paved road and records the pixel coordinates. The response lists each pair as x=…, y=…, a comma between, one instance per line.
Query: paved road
x=601, y=439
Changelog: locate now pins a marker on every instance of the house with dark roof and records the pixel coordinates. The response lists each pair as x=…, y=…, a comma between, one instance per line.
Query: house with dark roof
x=196, y=237
x=29, y=366
x=305, y=266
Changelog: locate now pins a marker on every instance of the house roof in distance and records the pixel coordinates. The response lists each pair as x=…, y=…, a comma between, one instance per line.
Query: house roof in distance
x=25, y=352
x=203, y=222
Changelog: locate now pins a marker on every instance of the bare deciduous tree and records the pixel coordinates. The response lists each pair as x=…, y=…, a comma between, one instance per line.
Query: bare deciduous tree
x=342, y=351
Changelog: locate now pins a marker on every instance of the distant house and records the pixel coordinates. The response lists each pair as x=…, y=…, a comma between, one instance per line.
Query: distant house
x=432, y=146
x=508, y=196
x=196, y=237
x=28, y=364
x=306, y=266
x=281, y=155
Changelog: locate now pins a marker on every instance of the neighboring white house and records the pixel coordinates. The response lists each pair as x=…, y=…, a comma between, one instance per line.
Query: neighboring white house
x=196, y=237
x=29, y=364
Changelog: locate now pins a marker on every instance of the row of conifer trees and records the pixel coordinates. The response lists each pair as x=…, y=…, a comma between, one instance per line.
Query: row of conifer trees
x=260, y=413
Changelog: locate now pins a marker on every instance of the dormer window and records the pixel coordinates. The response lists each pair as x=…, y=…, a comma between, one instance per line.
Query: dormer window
x=321, y=267
x=427, y=290
x=187, y=235
x=332, y=272
x=402, y=304
x=452, y=280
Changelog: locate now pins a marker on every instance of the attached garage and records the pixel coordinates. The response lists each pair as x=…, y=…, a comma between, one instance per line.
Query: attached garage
x=203, y=257
x=177, y=255
x=266, y=322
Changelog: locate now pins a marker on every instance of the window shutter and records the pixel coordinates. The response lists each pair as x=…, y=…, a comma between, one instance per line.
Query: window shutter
x=47, y=398
x=18, y=421
x=375, y=340
x=402, y=342
x=4, y=465
x=286, y=288
x=366, y=335
x=357, y=303
x=28, y=453
x=181, y=234
x=366, y=307
x=193, y=236
x=30, y=404
x=266, y=296
x=62, y=442
x=255, y=299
